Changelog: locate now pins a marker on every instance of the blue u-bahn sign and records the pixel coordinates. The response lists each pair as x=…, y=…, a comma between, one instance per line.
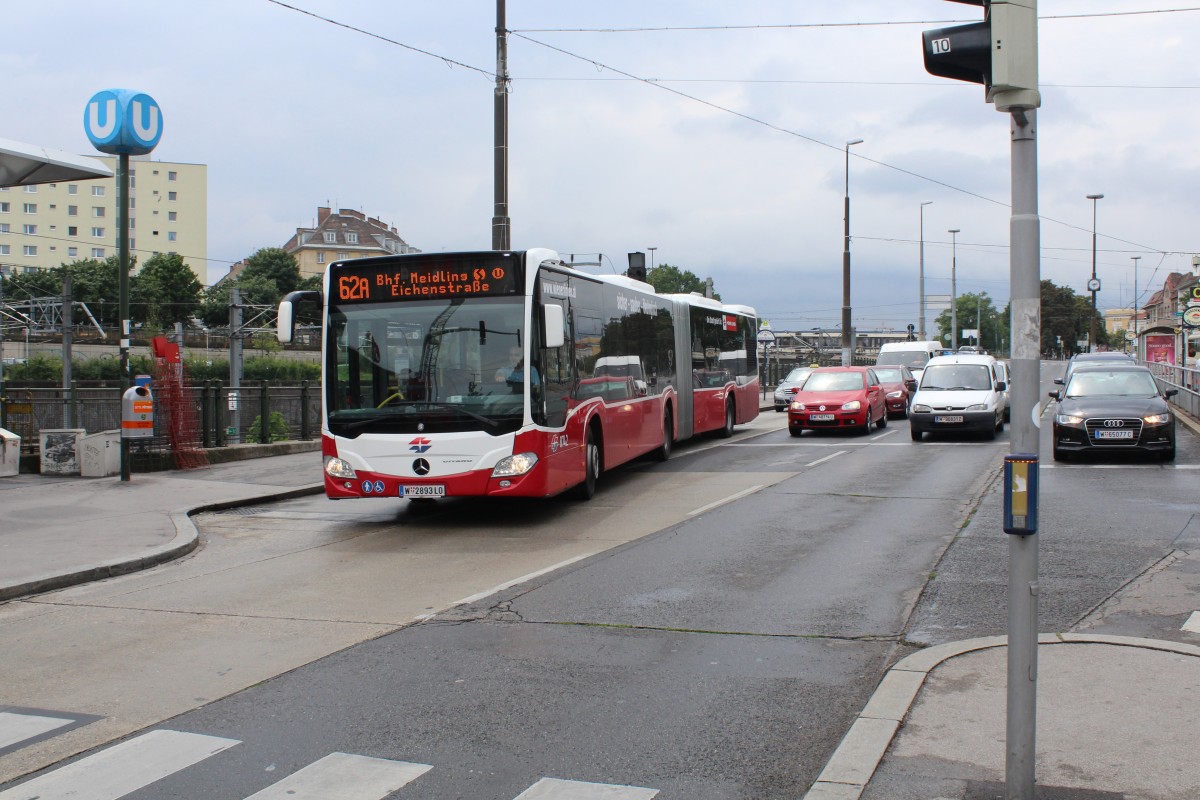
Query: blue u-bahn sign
x=121, y=121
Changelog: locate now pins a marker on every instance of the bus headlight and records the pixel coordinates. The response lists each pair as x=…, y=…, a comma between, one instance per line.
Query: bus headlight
x=512, y=465
x=337, y=468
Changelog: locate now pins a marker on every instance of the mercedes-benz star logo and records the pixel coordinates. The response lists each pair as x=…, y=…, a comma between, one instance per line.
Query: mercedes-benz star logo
x=421, y=466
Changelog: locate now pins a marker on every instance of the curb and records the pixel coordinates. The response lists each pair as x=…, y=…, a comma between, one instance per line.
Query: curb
x=186, y=538
x=857, y=756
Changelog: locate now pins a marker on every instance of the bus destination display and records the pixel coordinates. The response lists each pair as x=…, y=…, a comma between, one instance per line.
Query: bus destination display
x=381, y=283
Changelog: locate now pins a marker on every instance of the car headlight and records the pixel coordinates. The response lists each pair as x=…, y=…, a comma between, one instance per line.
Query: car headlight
x=977, y=407
x=1068, y=419
x=337, y=468
x=896, y=394
x=921, y=408
x=797, y=405
x=1156, y=419
x=517, y=464
x=853, y=405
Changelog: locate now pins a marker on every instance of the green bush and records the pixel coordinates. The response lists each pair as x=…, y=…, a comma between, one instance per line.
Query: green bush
x=278, y=428
x=46, y=368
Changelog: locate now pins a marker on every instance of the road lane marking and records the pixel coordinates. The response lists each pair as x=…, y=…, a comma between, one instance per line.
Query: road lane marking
x=724, y=500
x=555, y=789
x=507, y=585
x=1193, y=623
x=342, y=776
x=829, y=457
x=123, y=768
x=19, y=727
x=887, y=433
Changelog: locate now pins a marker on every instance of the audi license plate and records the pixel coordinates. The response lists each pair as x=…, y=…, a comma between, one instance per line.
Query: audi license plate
x=821, y=417
x=1118, y=434
x=948, y=420
x=430, y=490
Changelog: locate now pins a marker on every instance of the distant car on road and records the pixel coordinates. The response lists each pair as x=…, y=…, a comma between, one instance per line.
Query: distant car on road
x=1105, y=357
x=788, y=386
x=899, y=385
x=1113, y=408
x=838, y=397
x=958, y=393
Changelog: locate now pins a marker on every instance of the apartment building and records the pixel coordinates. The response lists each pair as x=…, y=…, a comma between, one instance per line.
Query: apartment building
x=50, y=224
x=342, y=235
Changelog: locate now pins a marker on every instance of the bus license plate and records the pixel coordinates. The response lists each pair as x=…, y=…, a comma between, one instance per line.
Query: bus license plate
x=431, y=490
x=948, y=420
x=821, y=417
x=1114, y=434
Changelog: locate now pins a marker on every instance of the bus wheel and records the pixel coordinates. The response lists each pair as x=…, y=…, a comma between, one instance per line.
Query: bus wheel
x=664, y=450
x=730, y=420
x=591, y=465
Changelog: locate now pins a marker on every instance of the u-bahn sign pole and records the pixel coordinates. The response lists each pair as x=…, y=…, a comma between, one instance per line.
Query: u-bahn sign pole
x=122, y=122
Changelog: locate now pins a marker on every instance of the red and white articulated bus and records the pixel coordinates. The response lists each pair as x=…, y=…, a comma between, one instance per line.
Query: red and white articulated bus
x=511, y=374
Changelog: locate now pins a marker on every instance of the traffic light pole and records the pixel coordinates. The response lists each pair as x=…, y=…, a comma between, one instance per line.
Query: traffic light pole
x=1025, y=277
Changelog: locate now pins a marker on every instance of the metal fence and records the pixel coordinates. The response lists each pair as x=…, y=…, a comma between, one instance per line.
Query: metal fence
x=1186, y=380
x=224, y=416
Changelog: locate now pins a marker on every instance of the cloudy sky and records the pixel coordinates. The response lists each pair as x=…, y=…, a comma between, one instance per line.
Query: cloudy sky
x=728, y=157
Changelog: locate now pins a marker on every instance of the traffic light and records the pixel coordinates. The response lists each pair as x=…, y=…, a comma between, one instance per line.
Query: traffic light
x=1000, y=52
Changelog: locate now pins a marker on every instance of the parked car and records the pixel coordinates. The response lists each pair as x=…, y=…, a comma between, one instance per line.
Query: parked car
x=838, y=397
x=958, y=393
x=1005, y=374
x=1113, y=408
x=899, y=385
x=788, y=386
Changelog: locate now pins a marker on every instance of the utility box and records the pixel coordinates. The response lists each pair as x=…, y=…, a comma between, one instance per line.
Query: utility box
x=60, y=450
x=10, y=453
x=101, y=454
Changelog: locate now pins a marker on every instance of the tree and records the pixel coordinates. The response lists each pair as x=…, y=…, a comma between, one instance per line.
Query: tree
x=97, y=284
x=271, y=265
x=165, y=291
x=670, y=279
x=975, y=311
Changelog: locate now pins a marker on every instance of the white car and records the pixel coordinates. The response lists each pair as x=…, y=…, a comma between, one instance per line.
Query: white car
x=959, y=393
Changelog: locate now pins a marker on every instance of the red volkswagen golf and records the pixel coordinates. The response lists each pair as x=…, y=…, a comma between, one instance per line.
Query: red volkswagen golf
x=838, y=397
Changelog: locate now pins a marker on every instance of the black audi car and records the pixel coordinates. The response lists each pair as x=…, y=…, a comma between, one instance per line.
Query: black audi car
x=1113, y=408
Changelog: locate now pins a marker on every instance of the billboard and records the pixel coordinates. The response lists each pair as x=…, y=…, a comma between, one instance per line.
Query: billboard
x=1160, y=348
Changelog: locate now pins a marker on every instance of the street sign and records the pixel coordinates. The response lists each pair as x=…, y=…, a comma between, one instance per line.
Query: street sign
x=1130, y=336
x=1191, y=317
x=766, y=336
x=121, y=121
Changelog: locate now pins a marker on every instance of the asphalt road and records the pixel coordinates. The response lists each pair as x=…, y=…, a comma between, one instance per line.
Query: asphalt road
x=714, y=626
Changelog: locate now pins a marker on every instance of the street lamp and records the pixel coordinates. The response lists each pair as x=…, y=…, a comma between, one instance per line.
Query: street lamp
x=922, y=276
x=1135, y=305
x=1094, y=284
x=651, y=249
x=953, y=288
x=847, y=334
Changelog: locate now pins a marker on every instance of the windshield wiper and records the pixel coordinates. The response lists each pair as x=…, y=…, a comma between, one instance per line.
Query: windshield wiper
x=382, y=416
x=457, y=409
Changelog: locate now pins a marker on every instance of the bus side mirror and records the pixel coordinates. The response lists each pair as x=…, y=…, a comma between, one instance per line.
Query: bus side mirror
x=285, y=323
x=554, y=326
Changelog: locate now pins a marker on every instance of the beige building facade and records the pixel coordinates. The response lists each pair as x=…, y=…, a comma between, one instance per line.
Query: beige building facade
x=340, y=235
x=51, y=224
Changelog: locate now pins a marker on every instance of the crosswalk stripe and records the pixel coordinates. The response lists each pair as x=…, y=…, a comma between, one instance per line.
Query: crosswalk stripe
x=341, y=776
x=19, y=727
x=555, y=789
x=121, y=769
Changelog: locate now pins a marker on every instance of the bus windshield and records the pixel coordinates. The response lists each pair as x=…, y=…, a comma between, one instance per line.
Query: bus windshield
x=446, y=365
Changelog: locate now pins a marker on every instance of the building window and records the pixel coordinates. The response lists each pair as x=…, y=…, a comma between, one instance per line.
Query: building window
x=351, y=238
x=73, y=252
x=330, y=237
x=171, y=237
x=4, y=249
x=341, y=256
x=72, y=189
x=31, y=189
x=98, y=233
x=172, y=216
x=97, y=252
x=171, y=195
x=72, y=211
x=3, y=227
x=31, y=230
x=31, y=208
x=320, y=256
x=172, y=176
x=31, y=249
x=97, y=191
x=72, y=230
x=4, y=207
x=97, y=211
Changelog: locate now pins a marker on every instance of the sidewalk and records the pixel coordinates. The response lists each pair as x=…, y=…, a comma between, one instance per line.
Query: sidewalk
x=61, y=531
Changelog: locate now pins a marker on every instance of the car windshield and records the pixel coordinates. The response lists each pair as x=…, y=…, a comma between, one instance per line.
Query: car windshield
x=888, y=375
x=957, y=377
x=797, y=375
x=834, y=382
x=1103, y=383
x=907, y=358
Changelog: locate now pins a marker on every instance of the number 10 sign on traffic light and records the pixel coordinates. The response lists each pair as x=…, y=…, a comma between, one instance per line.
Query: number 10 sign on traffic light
x=1000, y=52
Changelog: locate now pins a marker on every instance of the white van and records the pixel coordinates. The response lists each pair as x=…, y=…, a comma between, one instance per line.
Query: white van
x=911, y=354
x=959, y=393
